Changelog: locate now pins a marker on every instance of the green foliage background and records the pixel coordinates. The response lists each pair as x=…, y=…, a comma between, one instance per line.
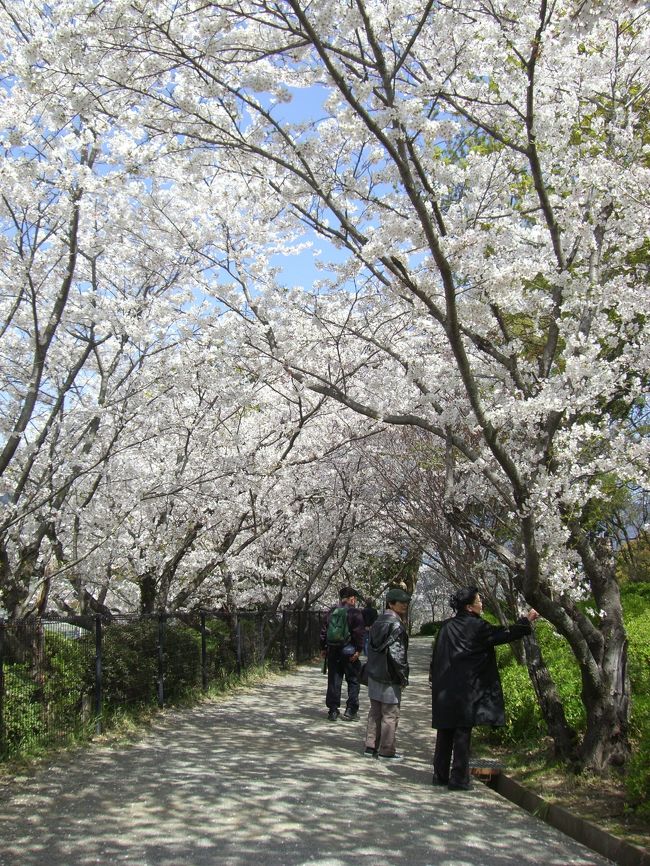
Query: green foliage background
x=49, y=700
x=524, y=723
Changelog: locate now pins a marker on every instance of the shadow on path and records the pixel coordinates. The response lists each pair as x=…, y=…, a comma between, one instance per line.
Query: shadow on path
x=261, y=778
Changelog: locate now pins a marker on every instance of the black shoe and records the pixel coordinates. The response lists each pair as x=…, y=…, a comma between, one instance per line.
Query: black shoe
x=464, y=786
x=436, y=780
x=333, y=715
x=369, y=753
x=349, y=716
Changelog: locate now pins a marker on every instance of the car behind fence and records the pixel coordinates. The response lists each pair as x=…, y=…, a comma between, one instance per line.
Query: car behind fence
x=67, y=677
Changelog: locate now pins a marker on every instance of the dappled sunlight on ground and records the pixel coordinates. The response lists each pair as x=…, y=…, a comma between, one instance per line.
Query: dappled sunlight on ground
x=262, y=777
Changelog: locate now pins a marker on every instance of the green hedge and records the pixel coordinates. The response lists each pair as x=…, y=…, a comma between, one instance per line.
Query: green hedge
x=51, y=698
x=636, y=607
x=430, y=629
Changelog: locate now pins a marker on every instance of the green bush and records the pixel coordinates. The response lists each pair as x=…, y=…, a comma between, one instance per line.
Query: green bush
x=565, y=672
x=23, y=723
x=130, y=660
x=523, y=718
x=43, y=701
x=182, y=661
x=637, y=781
x=129, y=663
x=636, y=608
x=430, y=629
x=66, y=665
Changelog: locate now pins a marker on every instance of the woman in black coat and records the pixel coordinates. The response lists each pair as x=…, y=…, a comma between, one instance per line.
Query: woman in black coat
x=465, y=684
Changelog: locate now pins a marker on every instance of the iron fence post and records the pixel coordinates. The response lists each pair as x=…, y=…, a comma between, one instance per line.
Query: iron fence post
x=298, y=615
x=161, y=659
x=283, y=640
x=238, y=646
x=204, y=655
x=261, y=655
x=98, y=674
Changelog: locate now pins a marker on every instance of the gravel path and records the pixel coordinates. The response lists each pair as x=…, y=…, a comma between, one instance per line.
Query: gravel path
x=261, y=778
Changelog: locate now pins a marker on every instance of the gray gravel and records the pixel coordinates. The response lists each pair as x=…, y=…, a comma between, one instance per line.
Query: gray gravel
x=261, y=777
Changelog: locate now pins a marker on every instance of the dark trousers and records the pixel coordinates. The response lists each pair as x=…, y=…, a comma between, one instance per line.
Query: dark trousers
x=450, y=741
x=339, y=667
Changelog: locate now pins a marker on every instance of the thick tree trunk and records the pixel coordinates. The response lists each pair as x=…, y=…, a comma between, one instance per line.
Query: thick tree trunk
x=606, y=740
x=598, y=642
x=564, y=736
x=607, y=696
x=148, y=593
x=17, y=578
x=601, y=654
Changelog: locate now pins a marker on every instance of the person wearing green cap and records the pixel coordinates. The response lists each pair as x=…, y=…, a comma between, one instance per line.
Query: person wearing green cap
x=388, y=672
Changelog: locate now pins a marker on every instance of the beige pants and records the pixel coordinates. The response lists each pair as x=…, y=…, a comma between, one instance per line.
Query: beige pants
x=382, y=727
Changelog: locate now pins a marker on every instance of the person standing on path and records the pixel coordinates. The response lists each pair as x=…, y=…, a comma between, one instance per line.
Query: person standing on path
x=388, y=674
x=465, y=685
x=341, y=640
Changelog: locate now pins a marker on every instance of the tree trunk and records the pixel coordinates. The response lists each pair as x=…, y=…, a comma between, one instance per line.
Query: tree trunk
x=598, y=642
x=148, y=593
x=606, y=697
x=564, y=736
x=606, y=740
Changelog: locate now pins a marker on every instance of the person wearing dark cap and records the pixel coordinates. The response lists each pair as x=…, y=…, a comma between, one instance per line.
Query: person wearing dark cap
x=388, y=672
x=465, y=685
x=341, y=641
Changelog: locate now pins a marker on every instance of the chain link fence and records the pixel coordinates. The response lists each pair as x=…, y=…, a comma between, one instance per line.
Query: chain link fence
x=71, y=677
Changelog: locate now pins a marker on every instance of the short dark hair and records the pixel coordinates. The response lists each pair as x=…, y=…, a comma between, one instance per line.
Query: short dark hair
x=347, y=592
x=462, y=597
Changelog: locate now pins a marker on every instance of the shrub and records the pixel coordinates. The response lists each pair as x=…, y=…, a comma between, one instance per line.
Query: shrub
x=23, y=725
x=430, y=629
x=129, y=663
x=636, y=607
x=523, y=718
x=565, y=672
x=43, y=699
x=637, y=781
x=66, y=664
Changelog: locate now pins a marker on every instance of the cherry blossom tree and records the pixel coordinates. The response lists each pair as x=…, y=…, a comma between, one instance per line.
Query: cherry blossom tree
x=476, y=177
x=481, y=170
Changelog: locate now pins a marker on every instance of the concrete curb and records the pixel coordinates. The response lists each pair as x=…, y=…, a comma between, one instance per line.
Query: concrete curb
x=617, y=850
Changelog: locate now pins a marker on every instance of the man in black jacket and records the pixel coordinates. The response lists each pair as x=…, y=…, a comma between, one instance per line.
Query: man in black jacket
x=465, y=684
x=388, y=673
x=343, y=658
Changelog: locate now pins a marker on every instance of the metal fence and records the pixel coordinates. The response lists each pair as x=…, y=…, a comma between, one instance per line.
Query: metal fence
x=71, y=677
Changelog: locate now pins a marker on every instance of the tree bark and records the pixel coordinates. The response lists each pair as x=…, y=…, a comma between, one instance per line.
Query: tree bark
x=564, y=736
x=607, y=697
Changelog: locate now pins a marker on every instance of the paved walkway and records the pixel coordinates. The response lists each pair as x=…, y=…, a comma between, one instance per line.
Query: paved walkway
x=261, y=778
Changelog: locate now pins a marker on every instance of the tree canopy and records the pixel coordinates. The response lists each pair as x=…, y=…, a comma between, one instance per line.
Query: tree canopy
x=242, y=242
